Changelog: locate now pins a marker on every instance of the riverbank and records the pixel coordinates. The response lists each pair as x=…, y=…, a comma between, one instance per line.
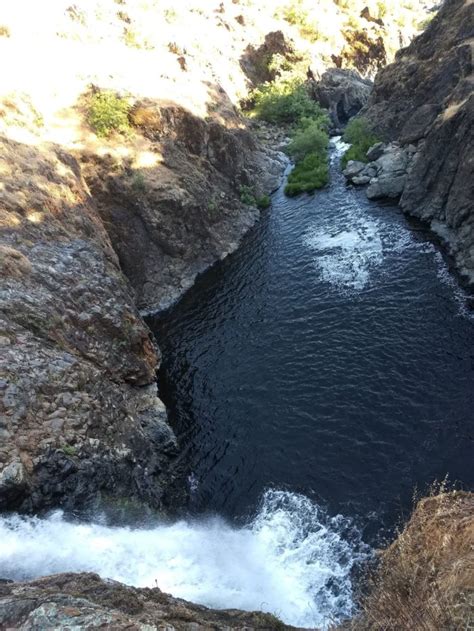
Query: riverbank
x=425, y=102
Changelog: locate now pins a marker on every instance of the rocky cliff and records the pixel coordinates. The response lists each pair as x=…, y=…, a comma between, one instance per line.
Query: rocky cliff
x=425, y=102
x=96, y=227
x=81, y=419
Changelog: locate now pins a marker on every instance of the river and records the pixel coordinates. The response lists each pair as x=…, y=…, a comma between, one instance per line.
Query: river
x=315, y=378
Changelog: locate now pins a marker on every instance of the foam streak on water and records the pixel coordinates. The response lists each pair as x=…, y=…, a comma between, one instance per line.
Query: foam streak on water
x=291, y=560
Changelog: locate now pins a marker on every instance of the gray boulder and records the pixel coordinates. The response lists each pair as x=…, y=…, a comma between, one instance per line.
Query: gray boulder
x=391, y=168
x=385, y=175
x=353, y=168
x=393, y=161
x=375, y=151
x=361, y=180
x=386, y=186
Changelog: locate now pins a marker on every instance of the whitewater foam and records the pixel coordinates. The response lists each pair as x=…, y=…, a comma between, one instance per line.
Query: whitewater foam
x=346, y=257
x=291, y=560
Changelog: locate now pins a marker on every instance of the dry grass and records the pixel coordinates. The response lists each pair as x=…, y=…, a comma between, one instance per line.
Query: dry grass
x=425, y=579
x=13, y=263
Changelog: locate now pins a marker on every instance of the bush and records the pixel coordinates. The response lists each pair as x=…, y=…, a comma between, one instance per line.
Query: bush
x=287, y=101
x=361, y=137
x=308, y=149
x=309, y=138
x=283, y=101
x=308, y=175
x=107, y=113
x=138, y=182
x=263, y=202
x=247, y=196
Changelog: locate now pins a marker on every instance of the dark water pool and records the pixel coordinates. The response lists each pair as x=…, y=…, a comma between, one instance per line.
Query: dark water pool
x=330, y=355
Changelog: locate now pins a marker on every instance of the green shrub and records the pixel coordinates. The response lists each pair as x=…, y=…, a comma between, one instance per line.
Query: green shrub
x=69, y=450
x=138, y=182
x=247, y=195
x=361, y=137
x=283, y=101
x=308, y=148
x=287, y=101
x=308, y=175
x=309, y=138
x=107, y=112
x=263, y=202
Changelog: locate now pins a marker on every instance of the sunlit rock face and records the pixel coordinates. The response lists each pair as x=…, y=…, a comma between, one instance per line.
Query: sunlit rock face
x=426, y=99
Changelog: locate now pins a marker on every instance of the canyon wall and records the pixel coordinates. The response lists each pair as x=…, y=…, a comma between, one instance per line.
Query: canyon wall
x=100, y=227
x=88, y=239
x=425, y=102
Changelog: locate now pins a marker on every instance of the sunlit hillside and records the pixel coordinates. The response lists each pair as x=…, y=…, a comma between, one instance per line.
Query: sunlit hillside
x=182, y=51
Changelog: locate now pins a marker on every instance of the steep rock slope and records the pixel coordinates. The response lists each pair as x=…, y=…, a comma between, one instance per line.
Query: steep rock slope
x=94, y=228
x=81, y=420
x=80, y=413
x=426, y=98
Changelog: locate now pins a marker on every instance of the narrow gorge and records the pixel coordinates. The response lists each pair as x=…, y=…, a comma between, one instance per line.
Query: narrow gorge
x=237, y=258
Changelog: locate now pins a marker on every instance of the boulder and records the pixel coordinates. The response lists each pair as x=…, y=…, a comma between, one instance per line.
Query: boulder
x=343, y=93
x=353, y=168
x=392, y=162
x=86, y=601
x=386, y=186
x=361, y=180
x=375, y=151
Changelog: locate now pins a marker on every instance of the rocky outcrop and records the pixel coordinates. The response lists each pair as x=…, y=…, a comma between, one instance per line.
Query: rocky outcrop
x=84, y=601
x=426, y=98
x=183, y=213
x=87, y=238
x=80, y=413
x=385, y=172
x=256, y=61
x=343, y=93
